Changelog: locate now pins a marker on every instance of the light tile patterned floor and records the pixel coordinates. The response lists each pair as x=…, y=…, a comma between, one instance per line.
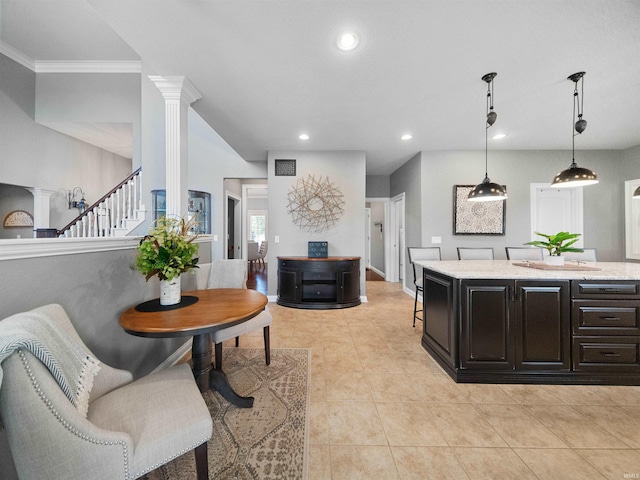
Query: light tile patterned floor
x=381, y=408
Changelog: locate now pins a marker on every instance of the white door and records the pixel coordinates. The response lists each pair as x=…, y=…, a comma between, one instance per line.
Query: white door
x=556, y=210
x=396, y=269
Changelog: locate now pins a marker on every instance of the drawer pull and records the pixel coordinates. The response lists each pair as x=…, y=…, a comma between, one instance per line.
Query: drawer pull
x=611, y=319
x=609, y=354
x=612, y=290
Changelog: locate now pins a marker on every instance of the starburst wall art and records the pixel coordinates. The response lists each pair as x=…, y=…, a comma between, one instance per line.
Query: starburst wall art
x=315, y=204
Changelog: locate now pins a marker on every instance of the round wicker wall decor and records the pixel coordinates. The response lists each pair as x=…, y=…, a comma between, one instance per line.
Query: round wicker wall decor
x=315, y=204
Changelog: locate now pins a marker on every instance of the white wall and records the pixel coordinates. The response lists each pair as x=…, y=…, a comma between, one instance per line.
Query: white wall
x=347, y=171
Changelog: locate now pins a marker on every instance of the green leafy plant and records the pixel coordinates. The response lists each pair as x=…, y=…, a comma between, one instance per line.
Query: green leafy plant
x=168, y=250
x=557, y=244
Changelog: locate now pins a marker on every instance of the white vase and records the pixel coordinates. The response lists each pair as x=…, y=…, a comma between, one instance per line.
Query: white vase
x=170, y=291
x=555, y=260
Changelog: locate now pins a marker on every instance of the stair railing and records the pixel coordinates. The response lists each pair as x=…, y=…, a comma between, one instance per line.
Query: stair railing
x=104, y=217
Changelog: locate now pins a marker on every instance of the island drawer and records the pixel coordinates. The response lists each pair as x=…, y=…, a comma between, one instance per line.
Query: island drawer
x=605, y=317
x=606, y=289
x=606, y=354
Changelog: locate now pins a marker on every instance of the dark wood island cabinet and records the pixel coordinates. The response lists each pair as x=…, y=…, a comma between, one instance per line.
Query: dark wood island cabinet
x=494, y=322
x=319, y=283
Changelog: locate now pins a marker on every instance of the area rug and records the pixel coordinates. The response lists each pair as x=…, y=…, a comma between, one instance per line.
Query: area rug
x=266, y=442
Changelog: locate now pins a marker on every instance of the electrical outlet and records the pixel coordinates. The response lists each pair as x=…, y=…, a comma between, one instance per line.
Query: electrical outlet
x=276, y=239
x=436, y=240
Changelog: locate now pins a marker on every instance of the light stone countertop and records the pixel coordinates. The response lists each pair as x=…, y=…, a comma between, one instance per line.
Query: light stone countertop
x=504, y=269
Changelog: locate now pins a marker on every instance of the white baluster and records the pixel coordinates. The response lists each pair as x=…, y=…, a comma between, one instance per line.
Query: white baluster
x=139, y=203
x=135, y=196
x=130, y=204
x=112, y=226
x=118, y=209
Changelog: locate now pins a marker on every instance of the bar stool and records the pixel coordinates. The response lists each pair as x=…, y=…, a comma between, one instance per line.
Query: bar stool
x=418, y=254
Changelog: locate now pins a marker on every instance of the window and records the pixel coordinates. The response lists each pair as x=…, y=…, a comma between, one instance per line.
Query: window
x=257, y=227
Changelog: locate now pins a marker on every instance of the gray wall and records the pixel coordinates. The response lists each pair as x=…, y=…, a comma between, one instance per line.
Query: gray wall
x=408, y=180
x=347, y=171
x=378, y=186
x=603, y=203
x=94, y=289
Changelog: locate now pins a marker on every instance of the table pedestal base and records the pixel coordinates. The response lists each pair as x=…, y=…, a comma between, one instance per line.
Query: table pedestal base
x=209, y=378
x=218, y=382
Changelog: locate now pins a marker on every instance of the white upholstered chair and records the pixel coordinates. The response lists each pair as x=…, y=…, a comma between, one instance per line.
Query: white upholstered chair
x=252, y=252
x=417, y=254
x=524, y=253
x=475, y=253
x=232, y=274
x=262, y=251
x=131, y=427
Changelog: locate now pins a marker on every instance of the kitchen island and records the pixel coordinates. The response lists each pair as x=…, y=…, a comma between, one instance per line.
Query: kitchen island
x=502, y=321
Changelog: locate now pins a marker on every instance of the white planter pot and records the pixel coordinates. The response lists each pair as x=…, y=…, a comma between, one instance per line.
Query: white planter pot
x=555, y=260
x=170, y=291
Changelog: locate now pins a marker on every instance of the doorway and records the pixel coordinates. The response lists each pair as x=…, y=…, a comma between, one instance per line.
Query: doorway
x=377, y=255
x=396, y=249
x=233, y=227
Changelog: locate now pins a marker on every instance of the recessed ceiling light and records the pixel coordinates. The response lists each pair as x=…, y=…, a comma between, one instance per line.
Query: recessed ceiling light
x=498, y=136
x=303, y=136
x=406, y=136
x=348, y=41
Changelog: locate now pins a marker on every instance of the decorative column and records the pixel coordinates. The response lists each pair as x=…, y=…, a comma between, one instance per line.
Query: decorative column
x=178, y=93
x=41, y=207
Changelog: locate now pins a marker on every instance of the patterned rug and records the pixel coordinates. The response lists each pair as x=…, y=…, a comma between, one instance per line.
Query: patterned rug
x=266, y=442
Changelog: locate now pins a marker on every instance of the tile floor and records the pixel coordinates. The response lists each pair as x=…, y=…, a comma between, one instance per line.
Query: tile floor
x=381, y=408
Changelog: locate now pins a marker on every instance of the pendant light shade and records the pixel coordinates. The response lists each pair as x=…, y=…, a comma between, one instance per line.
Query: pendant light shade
x=488, y=191
x=576, y=176
x=636, y=194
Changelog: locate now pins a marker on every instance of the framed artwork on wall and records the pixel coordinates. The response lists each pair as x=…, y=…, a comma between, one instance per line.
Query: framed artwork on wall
x=476, y=218
x=18, y=218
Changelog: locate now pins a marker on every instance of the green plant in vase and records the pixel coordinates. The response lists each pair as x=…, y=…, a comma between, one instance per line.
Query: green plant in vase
x=557, y=244
x=167, y=251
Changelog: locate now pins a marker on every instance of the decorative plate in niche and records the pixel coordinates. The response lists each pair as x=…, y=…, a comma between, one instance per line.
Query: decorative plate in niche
x=315, y=204
x=18, y=218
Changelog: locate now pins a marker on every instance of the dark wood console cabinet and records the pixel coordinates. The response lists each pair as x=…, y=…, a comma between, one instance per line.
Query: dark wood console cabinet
x=319, y=283
x=533, y=331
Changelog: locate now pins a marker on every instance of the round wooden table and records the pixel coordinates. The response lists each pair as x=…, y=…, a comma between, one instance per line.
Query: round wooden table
x=215, y=309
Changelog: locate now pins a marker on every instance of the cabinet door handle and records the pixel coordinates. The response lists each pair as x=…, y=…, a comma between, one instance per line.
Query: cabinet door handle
x=611, y=319
x=609, y=354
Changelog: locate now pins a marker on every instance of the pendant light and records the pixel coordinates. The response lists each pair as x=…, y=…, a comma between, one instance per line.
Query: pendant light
x=636, y=194
x=576, y=176
x=488, y=191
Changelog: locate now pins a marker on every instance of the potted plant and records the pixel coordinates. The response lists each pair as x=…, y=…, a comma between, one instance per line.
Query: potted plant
x=167, y=251
x=556, y=245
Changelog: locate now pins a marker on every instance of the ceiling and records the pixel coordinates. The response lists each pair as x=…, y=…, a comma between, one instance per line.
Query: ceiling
x=269, y=70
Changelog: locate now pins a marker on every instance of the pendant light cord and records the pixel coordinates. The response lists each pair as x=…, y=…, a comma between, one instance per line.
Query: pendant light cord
x=486, y=127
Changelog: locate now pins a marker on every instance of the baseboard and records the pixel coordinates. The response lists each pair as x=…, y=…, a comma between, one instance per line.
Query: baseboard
x=376, y=271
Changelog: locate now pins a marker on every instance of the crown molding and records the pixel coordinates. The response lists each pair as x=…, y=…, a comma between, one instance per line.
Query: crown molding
x=57, y=66
x=133, y=66
x=17, y=56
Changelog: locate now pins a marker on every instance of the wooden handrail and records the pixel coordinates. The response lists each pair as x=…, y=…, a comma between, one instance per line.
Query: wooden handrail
x=95, y=204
